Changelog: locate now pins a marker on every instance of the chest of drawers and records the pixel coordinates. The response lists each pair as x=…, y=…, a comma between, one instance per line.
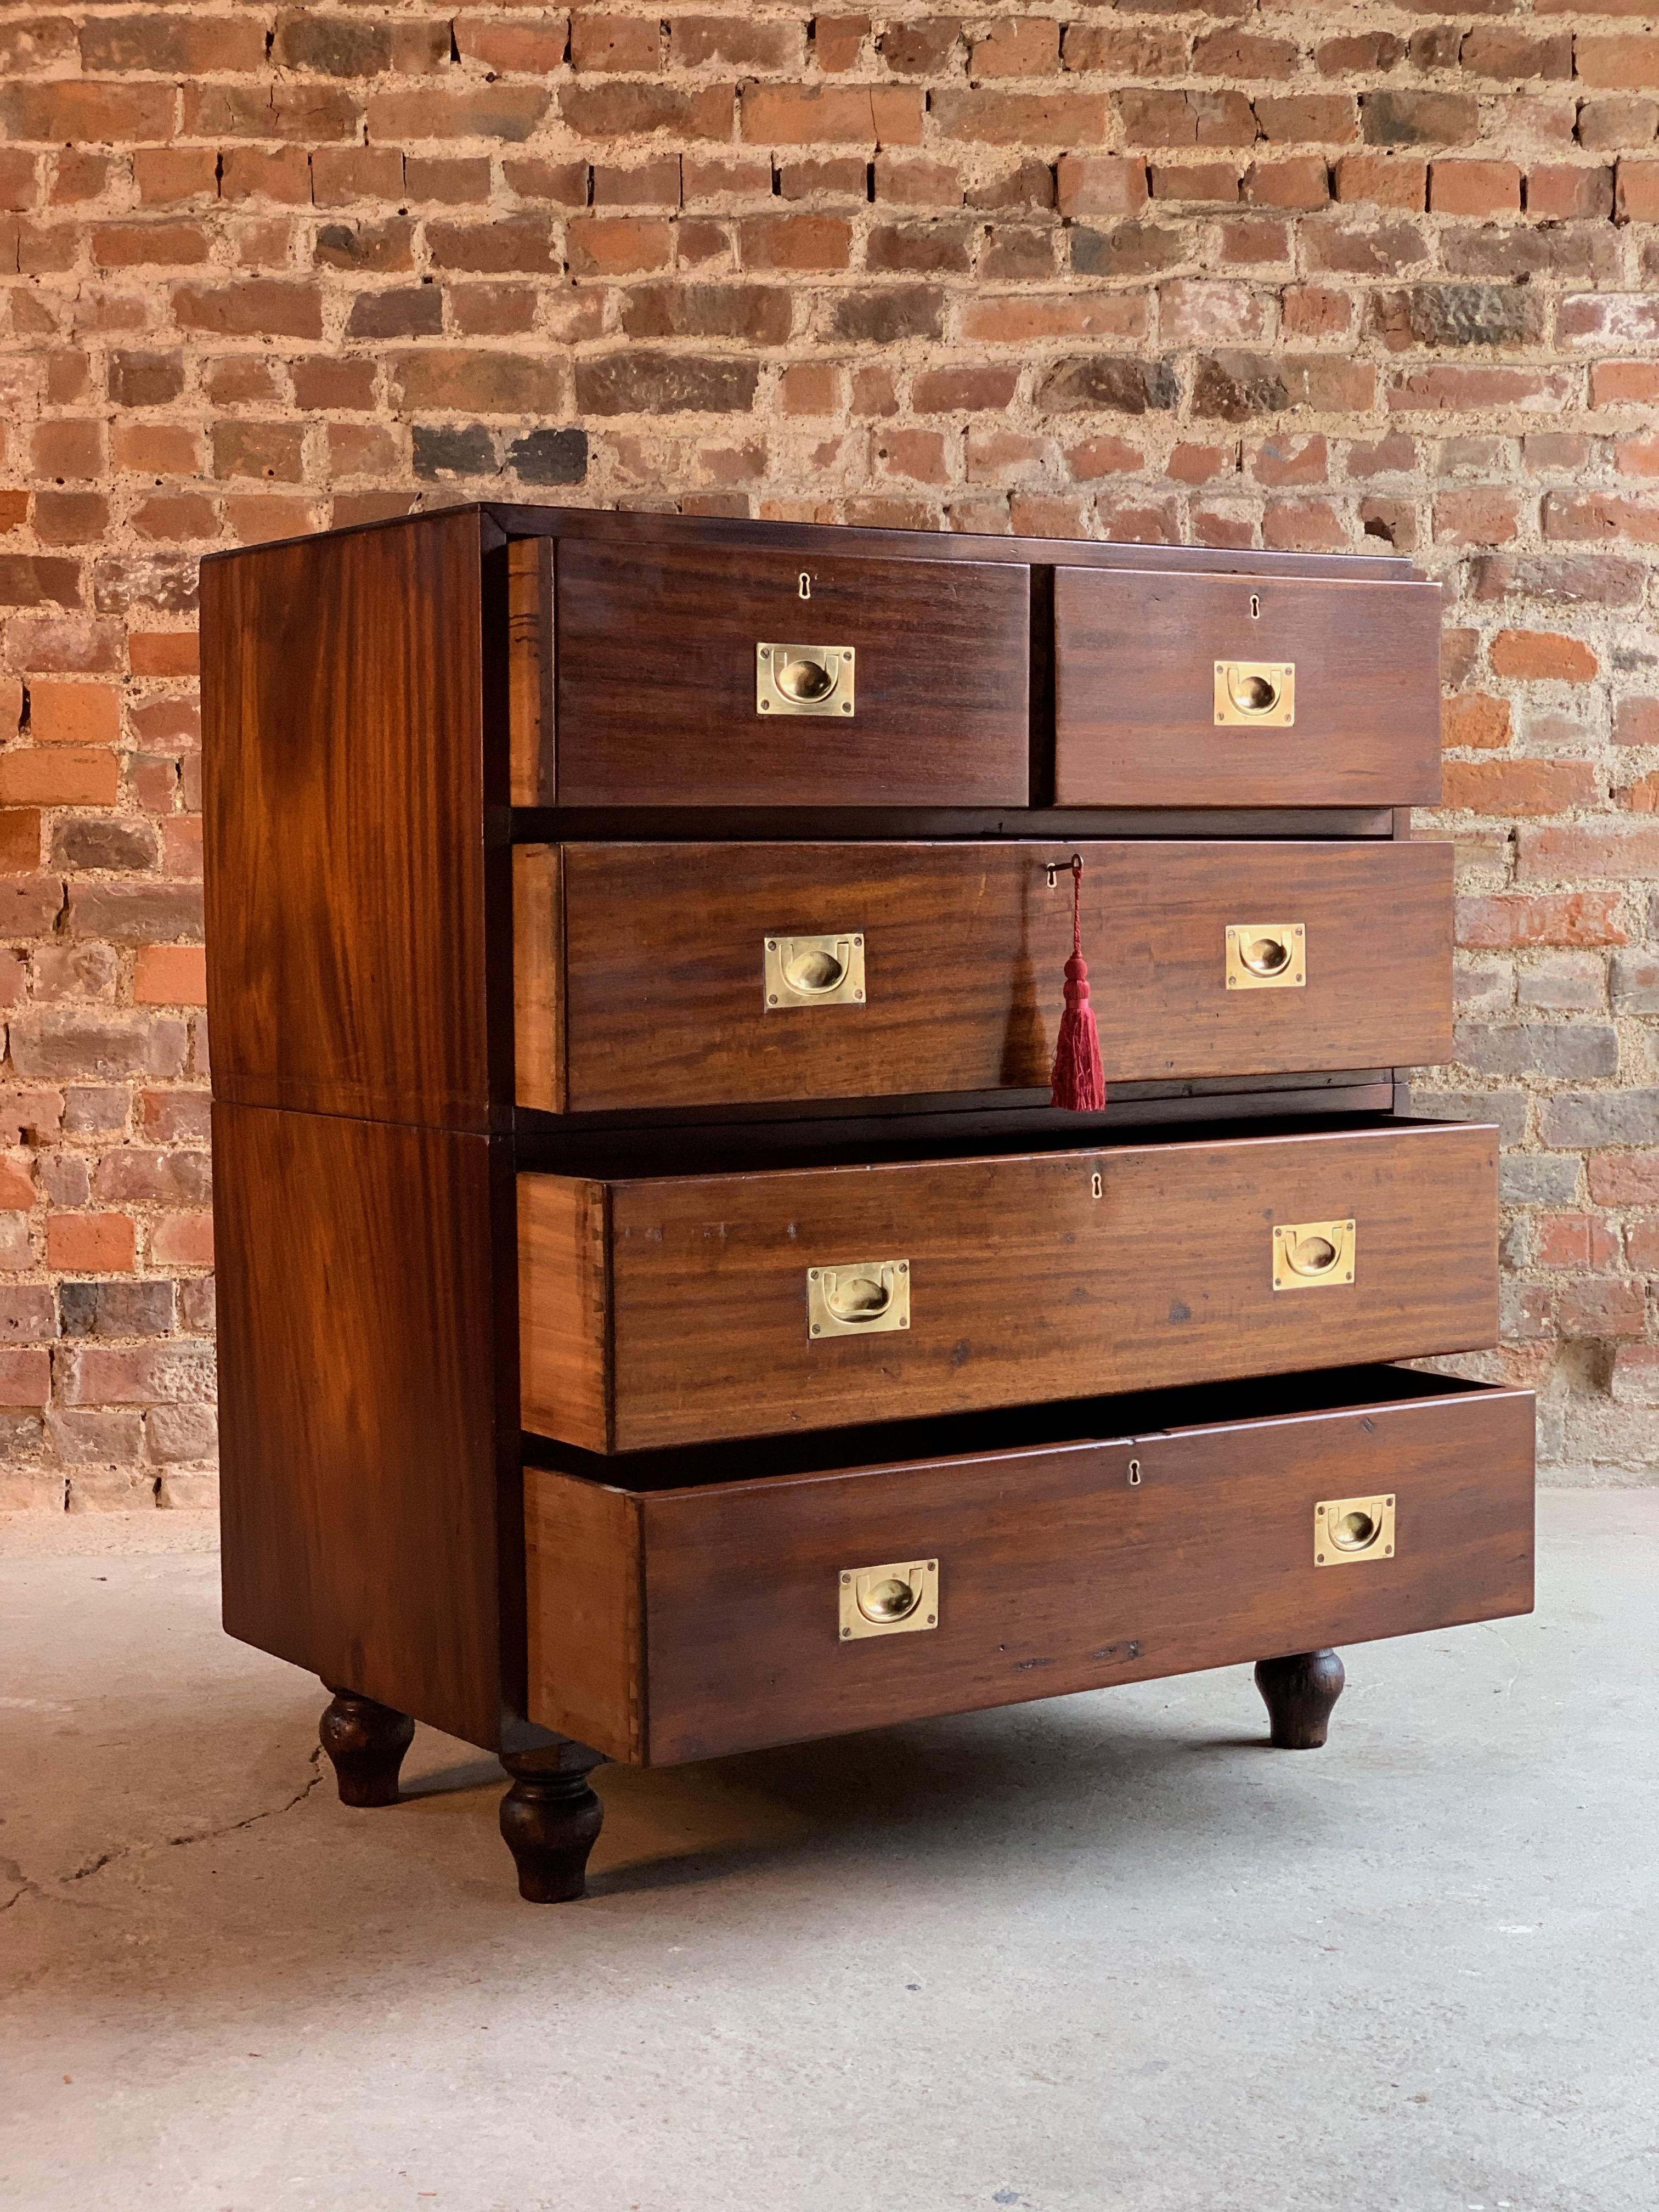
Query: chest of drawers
x=661, y=1311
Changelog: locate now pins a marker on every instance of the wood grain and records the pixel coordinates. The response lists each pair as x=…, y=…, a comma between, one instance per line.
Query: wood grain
x=1134, y=706
x=529, y=670
x=351, y=895
x=538, y=994
x=369, y=1481
x=655, y=680
x=1024, y=1285
x=564, y=1299
x=1056, y=1573
x=586, y=1627
x=964, y=950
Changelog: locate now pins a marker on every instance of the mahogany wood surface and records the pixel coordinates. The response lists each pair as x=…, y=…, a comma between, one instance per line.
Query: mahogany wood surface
x=551, y=1820
x=662, y=960
x=370, y=1483
x=352, y=896
x=1135, y=691
x=585, y=1623
x=639, y=527
x=1058, y=1573
x=1023, y=1284
x=655, y=678
x=1300, y=1691
x=529, y=670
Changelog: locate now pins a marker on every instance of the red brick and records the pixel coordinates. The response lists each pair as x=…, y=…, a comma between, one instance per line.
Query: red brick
x=877, y=115
x=1508, y=788
x=75, y=714
x=25, y=1375
x=182, y=1240
x=1560, y=192
x=1510, y=921
x=92, y=1243
x=1477, y=188
x=1627, y=61
x=1100, y=183
x=1609, y=1308
x=1473, y=720
x=52, y=777
x=1383, y=180
x=1544, y=656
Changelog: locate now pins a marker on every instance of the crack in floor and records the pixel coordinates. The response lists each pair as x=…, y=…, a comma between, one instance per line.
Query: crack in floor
x=203, y=1836
x=12, y=1872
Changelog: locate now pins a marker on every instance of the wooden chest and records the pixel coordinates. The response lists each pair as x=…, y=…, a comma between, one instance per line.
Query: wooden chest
x=661, y=1311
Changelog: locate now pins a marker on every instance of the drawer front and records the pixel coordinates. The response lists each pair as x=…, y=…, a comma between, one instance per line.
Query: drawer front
x=662, y=698
x=682, y=1624
x=670, y=1310
x=1184, y=691
x=677, y=975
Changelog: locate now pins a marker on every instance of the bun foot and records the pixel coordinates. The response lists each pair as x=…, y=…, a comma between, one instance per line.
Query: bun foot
x=550, y=1820
x=366, y=1743
x=1299, y=1693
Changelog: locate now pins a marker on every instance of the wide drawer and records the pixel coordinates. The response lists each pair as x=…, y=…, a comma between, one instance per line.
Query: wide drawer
x=698, y=676
x=687, y=974
x=657, y=1311
x=679, y=1617
x=1189, y=691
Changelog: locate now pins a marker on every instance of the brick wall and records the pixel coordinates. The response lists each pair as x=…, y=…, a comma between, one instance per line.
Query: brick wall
x=1352, y=276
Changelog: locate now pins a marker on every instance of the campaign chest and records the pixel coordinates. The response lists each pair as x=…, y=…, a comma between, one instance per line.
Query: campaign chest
x=662, y=1312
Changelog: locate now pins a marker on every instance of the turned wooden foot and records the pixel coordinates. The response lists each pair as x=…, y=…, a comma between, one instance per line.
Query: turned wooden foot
x=365, y=1742
x=1299, y=1693
x=550, y=1820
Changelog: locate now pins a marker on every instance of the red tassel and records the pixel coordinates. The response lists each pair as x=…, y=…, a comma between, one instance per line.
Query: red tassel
x=1080, y=1076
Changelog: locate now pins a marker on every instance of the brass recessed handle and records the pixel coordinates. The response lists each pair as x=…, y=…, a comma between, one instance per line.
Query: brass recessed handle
x=1266, y=956
x=813, y=971
x=861, y=1297
x=1349, y=1529
x=901, y=1596
x=1262, y=692
x=1309, y=1255
x=804, y=679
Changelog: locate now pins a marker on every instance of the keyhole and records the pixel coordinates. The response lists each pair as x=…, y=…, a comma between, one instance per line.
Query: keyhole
x=1255, y=605
x=806, y=585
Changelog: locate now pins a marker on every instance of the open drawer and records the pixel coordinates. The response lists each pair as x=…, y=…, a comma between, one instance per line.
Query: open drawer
x=687, y=1604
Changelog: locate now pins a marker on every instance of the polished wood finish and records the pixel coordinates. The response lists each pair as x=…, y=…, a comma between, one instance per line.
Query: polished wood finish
x=369, y=1494
x=1112, y=1553
x=352, y=892
x=655, y=680
x=365, y=1743
x=648, y=972
x=1300, y=1691
x=1134, y=703
x=1023, y=1284
x=529, y=670
x=539, y=997
x=551, y=1820
x=586, y=1625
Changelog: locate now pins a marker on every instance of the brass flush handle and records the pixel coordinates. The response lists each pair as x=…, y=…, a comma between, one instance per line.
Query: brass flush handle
x=864, y=1298
x=1262, y=692
x=813, y=971
x=1266, y=956
x=889, y=1601
x=1349, y=1529
x=1311, y=1255
x=804, y=679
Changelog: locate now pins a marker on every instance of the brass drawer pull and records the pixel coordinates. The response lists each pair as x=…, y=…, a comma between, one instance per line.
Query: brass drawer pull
x=889, y=1601
x=804, y=679
x=1349, y=1529
x=1266, y=956
x=1262, y=692
x=813, y=971
x=862, y=1298
x=1310, y=1255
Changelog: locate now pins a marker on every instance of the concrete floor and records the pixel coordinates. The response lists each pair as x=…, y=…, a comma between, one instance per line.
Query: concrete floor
x=1106, y=1952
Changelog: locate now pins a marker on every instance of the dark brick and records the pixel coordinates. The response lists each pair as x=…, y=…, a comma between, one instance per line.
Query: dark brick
x=145, y=380
x=881, y=318
x=1458, y=315
x=550, y=457
x=758, y=312
x=410, y=312
x=454, y=449
x=103, y=843
x=333, y=46
x=1128, y=249
x=1418, y=118
x=1112, y=383
x=639, y=383
x=116, y=1308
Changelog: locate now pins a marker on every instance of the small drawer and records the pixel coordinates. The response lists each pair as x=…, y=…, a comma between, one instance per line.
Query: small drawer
x=678, y=1614
x=689, y=974
x=1194, y=690
x=700, y=676
x=659, y=1310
